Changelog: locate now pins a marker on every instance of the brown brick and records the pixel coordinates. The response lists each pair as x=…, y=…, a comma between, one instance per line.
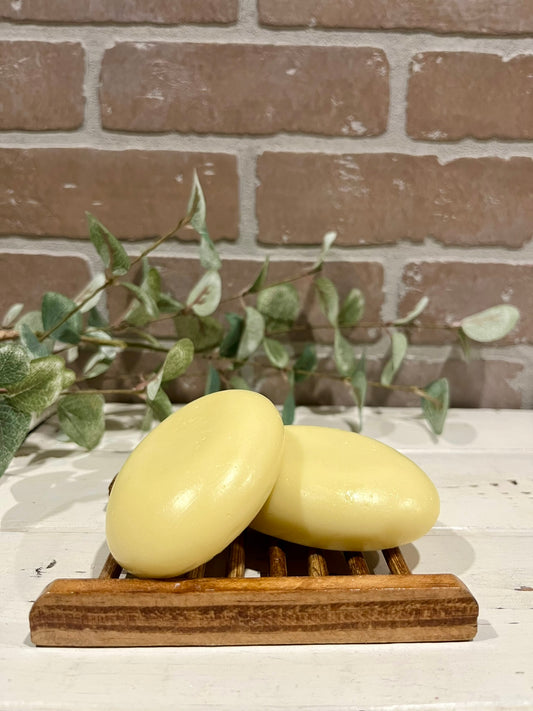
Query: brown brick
x=455, y=95
x=26, y=277
x=385, y=198
x=180, y=275
x=231, y=88
x=153, y=11
x=478, y=383
x=42, y=86
x=136, y=194
x=459, y=289
x=474, y=16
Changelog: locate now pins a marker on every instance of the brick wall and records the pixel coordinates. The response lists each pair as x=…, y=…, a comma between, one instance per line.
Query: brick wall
x=407, y=127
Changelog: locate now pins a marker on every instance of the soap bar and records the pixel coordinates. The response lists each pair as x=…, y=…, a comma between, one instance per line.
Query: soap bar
x=342, y=491
x=194, y=483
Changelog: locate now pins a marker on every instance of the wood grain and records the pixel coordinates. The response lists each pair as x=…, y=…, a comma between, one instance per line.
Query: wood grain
x=281, y=609
x=357, y=563
x=395, y=561
x=277, y=561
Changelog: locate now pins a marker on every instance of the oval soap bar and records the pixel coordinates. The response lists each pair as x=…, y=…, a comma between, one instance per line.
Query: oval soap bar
x=194, y=483
x=341, y=491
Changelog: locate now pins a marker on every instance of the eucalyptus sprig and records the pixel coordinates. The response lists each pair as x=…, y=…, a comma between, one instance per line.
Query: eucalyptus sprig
x=38, y=347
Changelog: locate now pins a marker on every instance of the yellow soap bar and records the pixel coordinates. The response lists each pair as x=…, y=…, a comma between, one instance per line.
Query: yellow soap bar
x=194, y=483
x=342, y=491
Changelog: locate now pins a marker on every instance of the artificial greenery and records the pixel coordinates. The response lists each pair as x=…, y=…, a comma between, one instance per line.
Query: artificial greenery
x=37, y=347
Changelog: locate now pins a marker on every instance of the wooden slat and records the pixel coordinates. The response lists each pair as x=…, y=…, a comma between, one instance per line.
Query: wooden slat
x=236, y=559
x=232, y=611
x=111, y=568
x=198, y=572
x=316, y=564
x=357, y=563
x=396, y=561
x=277, y=562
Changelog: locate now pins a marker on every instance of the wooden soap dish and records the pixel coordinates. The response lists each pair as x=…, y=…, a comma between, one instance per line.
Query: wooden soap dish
x=277, y=608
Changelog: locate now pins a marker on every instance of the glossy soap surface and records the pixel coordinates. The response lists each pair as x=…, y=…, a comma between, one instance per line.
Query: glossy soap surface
x=342, y=491
x=194, y=483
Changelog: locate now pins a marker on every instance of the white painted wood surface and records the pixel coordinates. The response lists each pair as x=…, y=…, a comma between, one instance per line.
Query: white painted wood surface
x=52, y=503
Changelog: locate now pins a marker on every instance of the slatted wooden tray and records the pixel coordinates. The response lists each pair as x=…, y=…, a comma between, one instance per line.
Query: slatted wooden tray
x=296, y=600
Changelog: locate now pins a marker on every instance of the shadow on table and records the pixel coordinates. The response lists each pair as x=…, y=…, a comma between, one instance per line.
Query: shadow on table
x=68, y=479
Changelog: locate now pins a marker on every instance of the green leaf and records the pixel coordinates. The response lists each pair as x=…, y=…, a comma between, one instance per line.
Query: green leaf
x=96, y=284
x=103, y=358
x=40, y=388
x=230, y=342
x=491, y=324
x=96, y=319
x=465, y=343
x=153, y=386
x=359, y=385
x=33, y=345
x=344, y=355
x=72, y=354
x=253, y=333
x=276, y=352
x=160, y=405
x=14, y=364
x=145, y=336
x=12, y=314
x=169, y=305
x=239, y=383
x=54, y=308
x=289, y=408
x=68, y=378
x=111, y=252
x=147, y=420
x=205, y=333
x=328, y=298
x=398, y=350
x=81, y=417
x=279, y=303
x=352, y=309
x=204, y=297
x=178, y=359
x=32, y=319
x=144, y=297
x=260, y=278
x=212, y=384
x=114, y=347
x=414, y=313
x=196, y=209
x=97, y=365
x=14, y=426
x=151, y=282
x=435, y=410
x=209, y=258
x=327, y=241
x=306, y=363
x=143, y=311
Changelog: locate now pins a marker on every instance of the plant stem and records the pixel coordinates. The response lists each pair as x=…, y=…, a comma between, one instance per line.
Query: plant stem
x=123, y=344
x=8, y=334
x=75, y=310
x=111, y=279
x=110, y=391
x=181, y=223
x=404, y=388
x=246, y=290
